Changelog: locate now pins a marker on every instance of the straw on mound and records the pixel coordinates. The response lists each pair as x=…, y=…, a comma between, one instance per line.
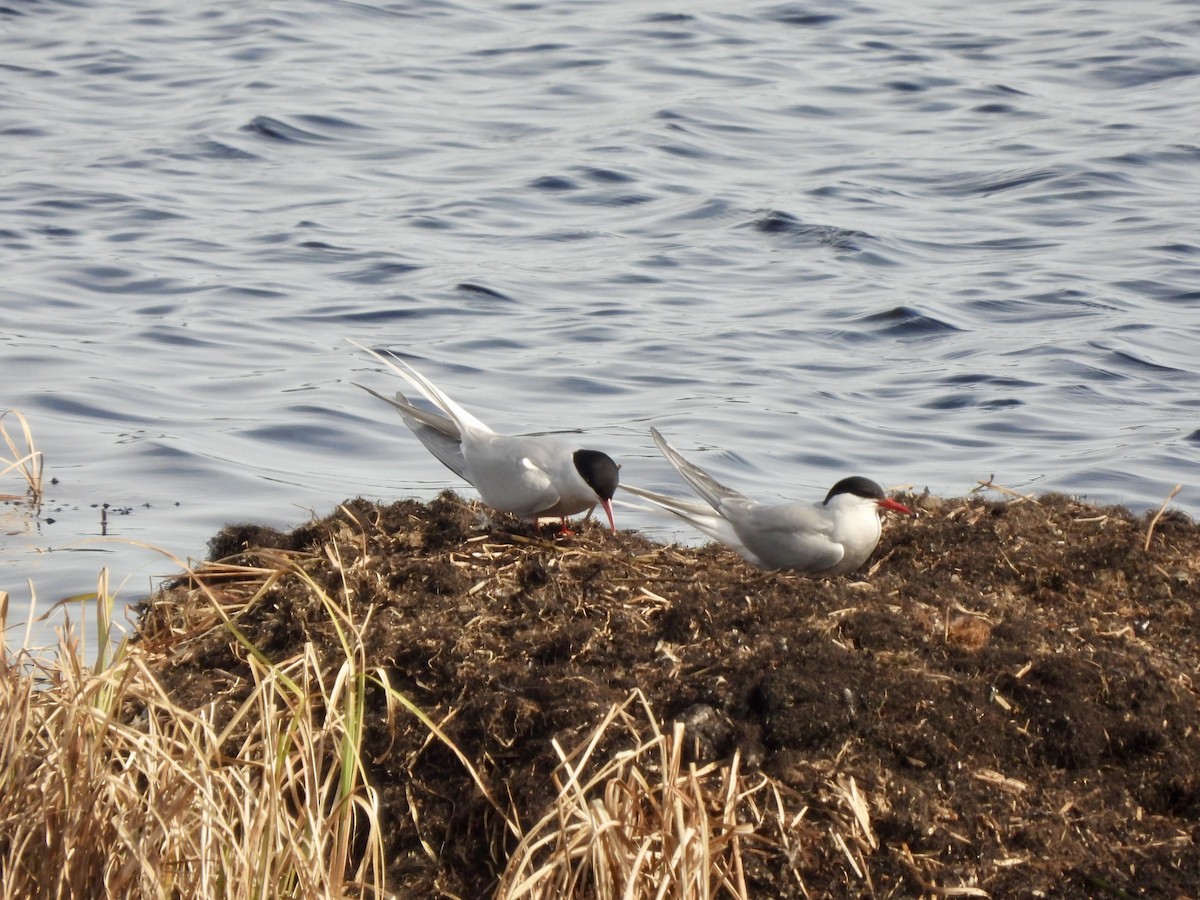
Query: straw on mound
x=1002, y=705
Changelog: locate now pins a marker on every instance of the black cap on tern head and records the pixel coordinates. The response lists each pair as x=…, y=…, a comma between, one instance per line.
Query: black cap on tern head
x=857, y=485
x=599, y=471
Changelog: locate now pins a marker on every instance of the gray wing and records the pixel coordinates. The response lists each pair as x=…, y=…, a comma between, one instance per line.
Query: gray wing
x=519, y=474
x=788, y=536
x=717, y=495
x=440, y=434
x=701, y=517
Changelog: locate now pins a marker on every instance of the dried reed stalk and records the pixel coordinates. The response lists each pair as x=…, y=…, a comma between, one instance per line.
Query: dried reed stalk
x=108, y=787
x=642, y=823
x=1158, y=515
x=28, y=463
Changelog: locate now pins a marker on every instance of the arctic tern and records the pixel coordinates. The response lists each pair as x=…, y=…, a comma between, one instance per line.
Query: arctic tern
x=531, y=477
x=828, y=538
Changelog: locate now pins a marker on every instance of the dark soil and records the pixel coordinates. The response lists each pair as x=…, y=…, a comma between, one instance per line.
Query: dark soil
x=1011, y=685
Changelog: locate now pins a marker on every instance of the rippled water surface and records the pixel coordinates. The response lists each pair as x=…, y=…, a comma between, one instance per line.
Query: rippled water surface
x=803, y=239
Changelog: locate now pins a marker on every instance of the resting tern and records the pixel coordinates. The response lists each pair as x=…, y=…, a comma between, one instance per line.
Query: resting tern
x=829, y=538
x=530, y=477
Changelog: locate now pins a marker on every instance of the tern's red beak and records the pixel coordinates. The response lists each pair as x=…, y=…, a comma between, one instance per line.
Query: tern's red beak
x=895, y=506
x=607, y=504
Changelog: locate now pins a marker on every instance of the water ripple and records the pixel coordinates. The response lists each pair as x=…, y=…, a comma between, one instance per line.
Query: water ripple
x=276, y=130
x=796, y=14
x=907, y=323
x=931, y=241
x=778, y=222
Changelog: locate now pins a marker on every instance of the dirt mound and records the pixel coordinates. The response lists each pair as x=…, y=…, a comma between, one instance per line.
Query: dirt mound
x=1008, y=686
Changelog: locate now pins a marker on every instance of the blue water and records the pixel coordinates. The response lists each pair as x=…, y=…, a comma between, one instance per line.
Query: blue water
x=805, y=240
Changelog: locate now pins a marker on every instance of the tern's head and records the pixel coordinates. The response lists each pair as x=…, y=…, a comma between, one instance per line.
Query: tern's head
x=866, y=489
x=602, y=475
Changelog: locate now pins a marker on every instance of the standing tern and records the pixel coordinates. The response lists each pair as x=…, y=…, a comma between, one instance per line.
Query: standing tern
x=530, y=477
x=829, y=538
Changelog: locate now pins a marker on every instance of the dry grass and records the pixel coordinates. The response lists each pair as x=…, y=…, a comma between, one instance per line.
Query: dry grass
x=642, y=823
x=631, y=817
x=109, y=788
x=1158, y=515
x=27, y=461
x=109, y=785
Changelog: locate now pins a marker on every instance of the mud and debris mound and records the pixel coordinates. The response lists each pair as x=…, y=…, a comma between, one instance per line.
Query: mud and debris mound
x=1011, y=685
